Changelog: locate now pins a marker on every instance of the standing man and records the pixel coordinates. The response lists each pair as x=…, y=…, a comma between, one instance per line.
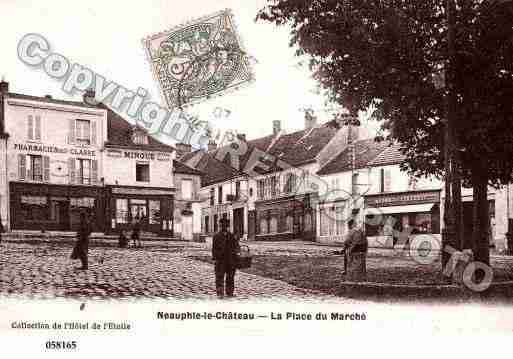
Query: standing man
x=80, y=251
x=356, y=246
x=136, y=231
x=225, y=248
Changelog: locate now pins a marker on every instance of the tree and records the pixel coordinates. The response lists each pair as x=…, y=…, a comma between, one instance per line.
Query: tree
x=385, y=53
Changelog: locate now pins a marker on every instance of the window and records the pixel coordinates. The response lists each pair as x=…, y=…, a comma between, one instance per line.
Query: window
x=212, y=195
x=84, y=171
x=220, y=194
x=263, y=225
x=260, y=188
x=142, y=172
x=274, y=185
x=308, y=223
x=237, y=189
x=290, y=183
x=83, y=132
x=35, y=168
x=34, y=208
x=273, y=225
x=122, y=210
x=384, y=180
x=289, y=223
x=154, y=207
x=355, y=183
x=187, y=189
x=139, y=137
x=34, y=128
x=216, y=223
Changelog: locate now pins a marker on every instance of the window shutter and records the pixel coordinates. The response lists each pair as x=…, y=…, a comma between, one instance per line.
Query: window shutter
x=94, y=171
x=93, y=132
x=30, y=127
x=46, y=168
x=22, y=167
x=71, y=131
x=387, y=181
x=38, y=128
x=71, y=170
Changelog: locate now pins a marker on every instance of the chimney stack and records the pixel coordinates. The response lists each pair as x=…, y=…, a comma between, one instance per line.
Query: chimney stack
x=184, y=147
x=310, y=119
x=276, y=127
x=212, y=146
x=4, y=86
x=89, y=97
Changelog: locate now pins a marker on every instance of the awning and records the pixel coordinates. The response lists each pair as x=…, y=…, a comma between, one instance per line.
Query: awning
x=410, y=208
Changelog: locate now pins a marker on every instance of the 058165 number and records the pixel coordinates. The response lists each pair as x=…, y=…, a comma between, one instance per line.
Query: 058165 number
x=56, y=345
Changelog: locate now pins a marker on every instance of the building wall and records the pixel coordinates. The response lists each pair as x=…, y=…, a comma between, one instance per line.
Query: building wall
x=193, y=204
x=54, y=136
x=121, y=165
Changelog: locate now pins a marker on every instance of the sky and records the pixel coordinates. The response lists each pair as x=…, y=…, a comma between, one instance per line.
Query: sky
x=106, y=37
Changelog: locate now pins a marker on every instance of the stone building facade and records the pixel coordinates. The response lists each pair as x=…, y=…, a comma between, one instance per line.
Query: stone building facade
x=60, y=158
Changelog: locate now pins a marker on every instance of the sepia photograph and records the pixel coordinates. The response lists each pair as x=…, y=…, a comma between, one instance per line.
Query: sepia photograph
x=267, y=169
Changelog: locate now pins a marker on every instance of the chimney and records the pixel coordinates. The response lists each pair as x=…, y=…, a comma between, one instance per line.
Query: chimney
x=184, y=147
x=241, y=137
x=352, y=133
x=89, y=97
x=212, y=146
x=310, y=119
x=4, y=86
x=276, y=127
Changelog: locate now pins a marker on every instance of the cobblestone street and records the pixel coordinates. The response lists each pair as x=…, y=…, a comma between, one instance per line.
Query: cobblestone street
x=45, y=271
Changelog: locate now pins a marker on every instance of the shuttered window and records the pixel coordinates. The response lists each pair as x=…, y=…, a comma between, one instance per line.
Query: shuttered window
x=22, y=167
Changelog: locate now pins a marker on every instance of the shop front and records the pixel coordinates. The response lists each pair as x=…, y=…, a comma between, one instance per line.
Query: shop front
x=291, y=218
x=42, y=206
x=415, y=212
x=152, y=206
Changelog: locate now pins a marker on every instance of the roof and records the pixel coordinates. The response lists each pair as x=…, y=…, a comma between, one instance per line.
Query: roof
x=365, y=151
x=302, y=147
x=390, y=156
x=182, y=168
x=215, y=171
x=119, y=134
x=48, y=99
x=119, y=131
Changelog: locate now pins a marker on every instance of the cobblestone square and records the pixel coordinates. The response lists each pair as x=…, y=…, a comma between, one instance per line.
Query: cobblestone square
x=44, y=270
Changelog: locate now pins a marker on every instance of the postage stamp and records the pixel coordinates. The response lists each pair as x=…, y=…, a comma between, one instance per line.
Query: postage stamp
x=199, y=60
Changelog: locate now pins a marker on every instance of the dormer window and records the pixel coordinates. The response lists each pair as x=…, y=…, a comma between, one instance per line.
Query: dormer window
x=139, y=137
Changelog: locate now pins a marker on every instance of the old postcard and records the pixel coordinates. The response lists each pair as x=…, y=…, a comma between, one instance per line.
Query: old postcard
x=269, y=177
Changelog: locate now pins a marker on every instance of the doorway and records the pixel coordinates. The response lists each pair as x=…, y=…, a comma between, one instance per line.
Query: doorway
x=238, y=222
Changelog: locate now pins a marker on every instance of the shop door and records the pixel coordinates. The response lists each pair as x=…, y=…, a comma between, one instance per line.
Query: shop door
x=60, y=213
x=251, y=224
x=238, y=222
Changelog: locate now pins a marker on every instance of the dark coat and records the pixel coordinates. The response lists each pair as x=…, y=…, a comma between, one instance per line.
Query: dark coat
x=225, y=248
x=82, y=246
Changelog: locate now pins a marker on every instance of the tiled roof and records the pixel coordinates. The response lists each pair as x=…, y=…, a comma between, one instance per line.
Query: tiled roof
x=390, y=156
x=303, y=146
x=48, y=99
x=365, y=151
x=179, y=167
x=214, y=170
x=119, y=134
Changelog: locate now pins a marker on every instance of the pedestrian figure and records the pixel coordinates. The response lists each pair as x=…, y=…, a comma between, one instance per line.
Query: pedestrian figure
x=136, y=231
x=355, y=248
x=81, y=248
x=122, y=240
x=225, y=248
